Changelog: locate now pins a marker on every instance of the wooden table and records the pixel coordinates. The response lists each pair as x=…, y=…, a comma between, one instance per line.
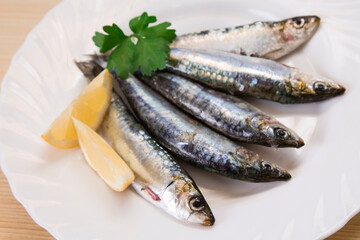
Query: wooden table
x=17, y=18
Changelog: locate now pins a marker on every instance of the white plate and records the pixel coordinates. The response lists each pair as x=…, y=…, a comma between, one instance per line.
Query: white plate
x=63, y=195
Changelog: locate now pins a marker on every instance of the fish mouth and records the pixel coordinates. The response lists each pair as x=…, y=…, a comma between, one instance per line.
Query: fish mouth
x=339, y=90
x=316, y=23
x=313, y=18
x=209, y=222
x=296, y=143
x=285, y=175
x=204, y=218
x=300, y=143
x=332, y=91
x=279, y=175
x=313, y=25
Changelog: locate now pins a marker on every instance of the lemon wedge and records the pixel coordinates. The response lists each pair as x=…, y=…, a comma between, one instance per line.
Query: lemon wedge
x=103, y=159
x=89, y=107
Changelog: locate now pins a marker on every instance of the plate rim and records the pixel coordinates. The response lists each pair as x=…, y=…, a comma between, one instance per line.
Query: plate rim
x=13, y=190
x=336, y=227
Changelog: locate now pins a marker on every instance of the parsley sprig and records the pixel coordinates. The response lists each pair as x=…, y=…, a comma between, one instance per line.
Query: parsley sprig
x=146, y=49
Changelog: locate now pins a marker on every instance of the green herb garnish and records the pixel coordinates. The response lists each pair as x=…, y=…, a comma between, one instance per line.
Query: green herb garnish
x=146, y=49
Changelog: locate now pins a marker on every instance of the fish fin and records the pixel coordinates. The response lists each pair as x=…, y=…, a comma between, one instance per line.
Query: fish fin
x=143, y=189
x=287, y=65
x=100, y=59
x=152, y=194
x=90, y=69
x=270, y=53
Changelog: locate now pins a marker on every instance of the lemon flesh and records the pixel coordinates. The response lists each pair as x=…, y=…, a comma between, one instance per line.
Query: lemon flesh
x=103, y=159
x=89, y=107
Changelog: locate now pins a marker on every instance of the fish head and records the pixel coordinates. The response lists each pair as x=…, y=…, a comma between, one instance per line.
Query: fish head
x=271, y=172
x=295, y=31
x=275, y=134
x=313, y=88
x=284, y=137
x=258, y=170
x=185, y=201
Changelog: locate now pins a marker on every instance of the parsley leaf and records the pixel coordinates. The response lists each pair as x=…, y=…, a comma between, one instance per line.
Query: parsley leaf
x=151, y=55
x=123, y=55
x=160, y=31
x=107, y=42
x=139, y=23
x=146, y=49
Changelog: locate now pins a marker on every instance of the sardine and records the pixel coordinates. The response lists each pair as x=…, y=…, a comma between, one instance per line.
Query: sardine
x=249, y=76
x=228, y=114
x=192, y=141
x=159, y=178
x=255, y=169
x=261, y=39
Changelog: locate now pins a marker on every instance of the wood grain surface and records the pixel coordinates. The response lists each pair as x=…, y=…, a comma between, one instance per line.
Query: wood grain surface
x=17, y=18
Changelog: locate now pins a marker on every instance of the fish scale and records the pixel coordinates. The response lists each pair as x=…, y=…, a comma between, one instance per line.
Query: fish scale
x=174, y=130
x=268, y=39
x=188, y=138
x=159, y=178
x=250, y=76
x=229, y=115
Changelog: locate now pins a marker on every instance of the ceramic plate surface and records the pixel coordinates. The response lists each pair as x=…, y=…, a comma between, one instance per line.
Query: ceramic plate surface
x=63, y=195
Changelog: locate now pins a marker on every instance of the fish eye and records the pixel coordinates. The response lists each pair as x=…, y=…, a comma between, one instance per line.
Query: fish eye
x=299, y=22
x=267, y=167
x=281, y=133
x=196, y=204
x=319, y=87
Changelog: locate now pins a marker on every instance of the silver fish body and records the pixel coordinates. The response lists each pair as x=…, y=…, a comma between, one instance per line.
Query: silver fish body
x=270, y=40
x=159, y=178
x=192, y=141
x=249, y=76
x=228, y=114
